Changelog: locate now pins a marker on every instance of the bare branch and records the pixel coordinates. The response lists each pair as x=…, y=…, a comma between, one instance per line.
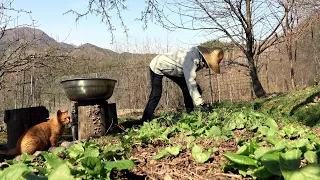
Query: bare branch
x=104, y=8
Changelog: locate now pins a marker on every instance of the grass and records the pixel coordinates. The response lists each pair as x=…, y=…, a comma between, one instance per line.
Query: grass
x=299, y=105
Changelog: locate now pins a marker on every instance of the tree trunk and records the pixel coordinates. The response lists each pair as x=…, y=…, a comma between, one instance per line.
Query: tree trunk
x=256, y=84
x=289, y=40
x=290, y=56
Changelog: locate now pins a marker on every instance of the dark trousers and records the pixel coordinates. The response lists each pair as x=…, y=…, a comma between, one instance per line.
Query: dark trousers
x=156, y=91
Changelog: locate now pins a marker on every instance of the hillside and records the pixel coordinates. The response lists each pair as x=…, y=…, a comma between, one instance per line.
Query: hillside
x=34, y=38
x=301, y=105
x=38, y=41
x=25, y=41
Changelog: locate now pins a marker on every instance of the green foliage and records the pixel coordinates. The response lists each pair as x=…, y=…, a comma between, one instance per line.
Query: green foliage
x=296, y=106
x=241, y=159
x=84, y=160
x=199, y=155
x=173, y=150
x=15, y=171
x=282, y=157
x=276, y=148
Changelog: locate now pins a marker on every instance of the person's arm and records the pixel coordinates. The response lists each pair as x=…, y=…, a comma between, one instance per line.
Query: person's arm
x=189, y=70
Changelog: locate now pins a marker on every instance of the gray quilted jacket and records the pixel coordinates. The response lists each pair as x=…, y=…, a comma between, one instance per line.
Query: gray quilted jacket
x=183, y=63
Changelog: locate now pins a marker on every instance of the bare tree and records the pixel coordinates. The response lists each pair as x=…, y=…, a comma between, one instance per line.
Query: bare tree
x=104, y=9
x=252, y=25
x=13, y=55
x=295, y=12
x=288, y=27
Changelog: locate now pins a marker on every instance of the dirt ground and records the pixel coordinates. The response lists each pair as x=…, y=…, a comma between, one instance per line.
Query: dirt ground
x=183, y=166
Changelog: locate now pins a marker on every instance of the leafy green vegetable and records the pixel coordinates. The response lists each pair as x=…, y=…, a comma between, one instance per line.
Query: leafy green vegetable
x=75, y=150
x=309, y=172
x=271, y=163
x=62, y=171
x=272, y=124
x=241, y=159
x=273, y=140
x=161, y=154
x=14, y=172
x=261, y=151
x=91, y=152
x=300, y=143
x=32, y=176
x=26, y=158
x=92, y=165
x=262, y=173
x=120, y=165
x=199, y=155
x=243, y=150
x=266, y=131
x=214, y=131
x=174, y=150
x=311, y=157
x=51, y=160
x=58, y=150
x=189, y=139
x=290, y=162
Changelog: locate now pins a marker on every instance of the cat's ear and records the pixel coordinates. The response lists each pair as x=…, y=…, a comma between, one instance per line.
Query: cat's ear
x=59, y=113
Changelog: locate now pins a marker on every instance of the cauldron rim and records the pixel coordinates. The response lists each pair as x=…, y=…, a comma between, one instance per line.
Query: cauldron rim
x=75, y=79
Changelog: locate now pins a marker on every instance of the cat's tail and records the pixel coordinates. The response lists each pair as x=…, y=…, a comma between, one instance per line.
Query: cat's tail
x=11, y=152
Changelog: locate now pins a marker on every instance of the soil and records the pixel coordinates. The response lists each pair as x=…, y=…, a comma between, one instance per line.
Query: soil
x=183, y=166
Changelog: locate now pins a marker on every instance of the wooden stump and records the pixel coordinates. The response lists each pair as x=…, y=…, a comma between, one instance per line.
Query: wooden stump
x=92, y=119
x=83, y=123
x=20, y=120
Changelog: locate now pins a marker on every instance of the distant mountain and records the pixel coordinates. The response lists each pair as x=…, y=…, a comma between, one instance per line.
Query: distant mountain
x=38, y=41
x=66, y=45
x=25, y=33
x=28, y=41
x=35, y=41
x=96, y=52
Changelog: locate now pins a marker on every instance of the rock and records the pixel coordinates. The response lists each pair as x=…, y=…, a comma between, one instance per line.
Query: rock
x=67, y=144
x=51, y=149
x=37, y=153
x=19, y=158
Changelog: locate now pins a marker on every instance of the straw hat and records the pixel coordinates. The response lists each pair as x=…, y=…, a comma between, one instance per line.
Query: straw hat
x=213, y=57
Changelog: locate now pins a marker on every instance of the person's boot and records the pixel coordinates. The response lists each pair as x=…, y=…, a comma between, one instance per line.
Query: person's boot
x=189, y=110
x=130, y=124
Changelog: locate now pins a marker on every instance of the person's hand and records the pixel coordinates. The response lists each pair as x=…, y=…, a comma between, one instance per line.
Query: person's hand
x=205, y=107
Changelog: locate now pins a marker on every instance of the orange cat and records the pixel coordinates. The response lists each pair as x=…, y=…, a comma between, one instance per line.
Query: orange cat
x=41, y=136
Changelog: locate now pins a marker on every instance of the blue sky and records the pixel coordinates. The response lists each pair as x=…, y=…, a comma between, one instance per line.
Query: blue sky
x=49, y=17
